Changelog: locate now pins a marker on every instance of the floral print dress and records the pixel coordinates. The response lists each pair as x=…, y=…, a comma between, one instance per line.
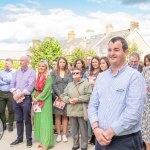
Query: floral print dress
x=146, y=114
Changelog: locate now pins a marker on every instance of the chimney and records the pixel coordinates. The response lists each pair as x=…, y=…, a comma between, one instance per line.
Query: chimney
x=36, y=43
x=109, y=28
x=71, y=35
x=89, y=33
x=134, y=25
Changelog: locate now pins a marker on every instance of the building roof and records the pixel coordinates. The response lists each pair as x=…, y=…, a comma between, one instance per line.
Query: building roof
x=96, y=41
x=102, y=45
x=76, y=42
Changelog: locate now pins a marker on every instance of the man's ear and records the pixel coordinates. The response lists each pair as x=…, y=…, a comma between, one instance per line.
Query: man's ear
x=126, y=52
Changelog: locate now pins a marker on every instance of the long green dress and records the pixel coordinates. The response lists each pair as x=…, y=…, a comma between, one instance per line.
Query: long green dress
x=43, y=121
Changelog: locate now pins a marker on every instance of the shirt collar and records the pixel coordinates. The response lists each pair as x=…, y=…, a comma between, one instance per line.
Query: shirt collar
x=24, y=70
x=119, y=71
x=136, y=67
x=8, y=70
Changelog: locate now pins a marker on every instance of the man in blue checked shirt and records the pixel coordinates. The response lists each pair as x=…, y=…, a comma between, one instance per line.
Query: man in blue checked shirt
x=117, y=102
x=5, y=94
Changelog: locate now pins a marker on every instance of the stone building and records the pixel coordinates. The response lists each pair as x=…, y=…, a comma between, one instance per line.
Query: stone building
x=99, y=42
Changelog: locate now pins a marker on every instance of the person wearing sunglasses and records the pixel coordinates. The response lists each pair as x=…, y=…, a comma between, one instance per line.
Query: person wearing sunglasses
x=75, y=95
x=80, y=64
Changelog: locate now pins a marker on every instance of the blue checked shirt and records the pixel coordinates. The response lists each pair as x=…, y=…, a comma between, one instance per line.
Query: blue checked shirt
x=117, y=101
x=5, y=79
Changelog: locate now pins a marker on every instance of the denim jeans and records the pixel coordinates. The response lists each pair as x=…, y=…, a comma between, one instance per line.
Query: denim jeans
x=127, y=142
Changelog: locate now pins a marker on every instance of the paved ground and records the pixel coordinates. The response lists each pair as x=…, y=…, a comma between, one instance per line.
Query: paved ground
x=9, y=137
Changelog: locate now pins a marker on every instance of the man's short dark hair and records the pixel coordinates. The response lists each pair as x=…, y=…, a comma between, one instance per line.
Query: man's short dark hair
x=9, y=59
x=122, y=40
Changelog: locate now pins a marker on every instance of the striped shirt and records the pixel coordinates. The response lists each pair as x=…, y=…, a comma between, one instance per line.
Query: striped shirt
x=23, y=80
x=117, y=101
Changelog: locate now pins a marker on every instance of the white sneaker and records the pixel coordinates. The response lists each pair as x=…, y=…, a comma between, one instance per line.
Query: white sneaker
x=64, y=138
x=58, y=139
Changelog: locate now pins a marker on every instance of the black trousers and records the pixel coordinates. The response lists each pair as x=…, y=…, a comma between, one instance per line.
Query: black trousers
x=6, y=99
x=23, y=116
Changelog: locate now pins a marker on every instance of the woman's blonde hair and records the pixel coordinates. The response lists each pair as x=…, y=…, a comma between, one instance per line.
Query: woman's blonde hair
x=46, y=64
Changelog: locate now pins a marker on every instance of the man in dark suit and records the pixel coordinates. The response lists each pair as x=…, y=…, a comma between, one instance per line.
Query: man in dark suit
x=134, y=62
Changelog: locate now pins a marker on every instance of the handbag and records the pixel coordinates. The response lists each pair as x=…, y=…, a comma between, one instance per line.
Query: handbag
x=58, y=103
x=85, y=107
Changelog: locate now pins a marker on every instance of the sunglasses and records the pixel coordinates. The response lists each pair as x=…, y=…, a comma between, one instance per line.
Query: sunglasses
x=76, y=73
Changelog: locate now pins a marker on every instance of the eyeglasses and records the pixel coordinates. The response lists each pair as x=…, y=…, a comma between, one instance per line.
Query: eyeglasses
x=76, y=73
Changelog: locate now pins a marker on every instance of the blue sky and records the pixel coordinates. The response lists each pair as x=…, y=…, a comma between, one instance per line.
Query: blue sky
x=82, y=6
x=24, y=20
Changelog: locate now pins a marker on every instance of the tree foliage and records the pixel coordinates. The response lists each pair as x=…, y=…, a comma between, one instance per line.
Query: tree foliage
x=133, y=47
x=15, y=64
x=49, y=49
x=79, y=53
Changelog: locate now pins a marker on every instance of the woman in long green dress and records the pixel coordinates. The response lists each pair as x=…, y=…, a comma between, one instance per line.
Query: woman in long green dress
x=42, y=98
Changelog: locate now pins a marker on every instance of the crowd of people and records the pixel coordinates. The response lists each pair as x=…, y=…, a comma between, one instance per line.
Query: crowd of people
x=101, y=99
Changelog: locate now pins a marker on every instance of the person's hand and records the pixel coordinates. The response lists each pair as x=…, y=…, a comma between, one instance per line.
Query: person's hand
x=71, y=101
x=34, y=99
x=19, y=100
x=101, y=137
x=61, y=96
x=92, y=82
x=21, y=94
x=109, y=133
x=75, y=100
x=16, y=97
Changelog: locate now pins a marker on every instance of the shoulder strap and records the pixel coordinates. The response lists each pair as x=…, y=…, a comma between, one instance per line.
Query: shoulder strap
x=77, y=89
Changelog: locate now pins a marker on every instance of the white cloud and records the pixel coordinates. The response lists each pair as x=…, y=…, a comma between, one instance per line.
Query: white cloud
x=145, y=7
x=33, y=2
x=28, y=24
x=96, y=1
x=14, y=46
x=18, y=8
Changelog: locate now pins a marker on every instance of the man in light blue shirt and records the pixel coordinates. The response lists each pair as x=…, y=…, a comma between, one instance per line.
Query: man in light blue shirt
x=5, y=94
x=117, y=102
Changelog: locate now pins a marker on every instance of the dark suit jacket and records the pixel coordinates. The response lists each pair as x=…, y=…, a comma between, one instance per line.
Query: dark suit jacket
x=140, y=68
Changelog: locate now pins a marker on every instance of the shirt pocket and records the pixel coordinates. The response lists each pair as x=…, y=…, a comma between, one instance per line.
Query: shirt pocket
x=119, y=94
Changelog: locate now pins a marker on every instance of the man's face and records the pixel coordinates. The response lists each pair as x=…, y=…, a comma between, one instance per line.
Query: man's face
x=134, y=61
x=23, y=62
x=8, y=65
x=116, y=55
x=54, y=65
x=88, y=60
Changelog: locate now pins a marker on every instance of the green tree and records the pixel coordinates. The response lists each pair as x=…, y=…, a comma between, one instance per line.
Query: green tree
x=49, y=49
x=15, y=64
x=2, y=65
x=79, y=53
x=133, y=47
